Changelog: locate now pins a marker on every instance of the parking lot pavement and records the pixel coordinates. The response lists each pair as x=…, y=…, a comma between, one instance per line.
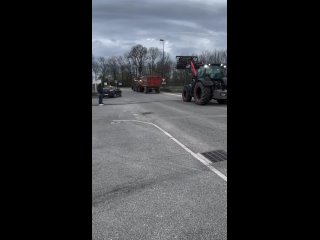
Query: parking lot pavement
x=147, y=186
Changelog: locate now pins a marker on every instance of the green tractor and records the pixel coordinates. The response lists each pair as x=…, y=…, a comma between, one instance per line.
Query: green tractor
x=209, y=81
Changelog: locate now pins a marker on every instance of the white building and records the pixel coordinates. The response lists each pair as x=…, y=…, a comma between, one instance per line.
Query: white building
x=95, y=82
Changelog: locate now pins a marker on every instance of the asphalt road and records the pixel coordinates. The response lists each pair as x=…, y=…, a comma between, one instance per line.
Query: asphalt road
x=147, y=186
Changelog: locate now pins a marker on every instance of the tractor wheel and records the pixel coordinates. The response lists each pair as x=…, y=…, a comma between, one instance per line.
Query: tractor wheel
x=146, y=90
x=201, y=94
x=157, y=90
x=140, y=89
x=186, y=96
x=222, y=101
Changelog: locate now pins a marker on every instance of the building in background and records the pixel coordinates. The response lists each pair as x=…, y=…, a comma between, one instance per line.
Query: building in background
x=95, y=82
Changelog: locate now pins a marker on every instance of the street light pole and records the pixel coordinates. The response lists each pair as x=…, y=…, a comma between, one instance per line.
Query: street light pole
x=162, y=58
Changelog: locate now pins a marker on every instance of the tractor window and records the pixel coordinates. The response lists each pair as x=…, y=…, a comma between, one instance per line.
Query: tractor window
x=214, y=72
x=200, y=71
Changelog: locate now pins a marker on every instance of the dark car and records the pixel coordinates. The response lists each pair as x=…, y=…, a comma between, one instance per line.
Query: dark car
x=111, y=92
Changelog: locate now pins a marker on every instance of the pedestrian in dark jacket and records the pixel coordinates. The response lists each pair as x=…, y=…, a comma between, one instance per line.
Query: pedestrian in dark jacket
x=100, y=92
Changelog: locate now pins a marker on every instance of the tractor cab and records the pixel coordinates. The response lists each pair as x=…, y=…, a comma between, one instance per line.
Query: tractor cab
x=213, y=71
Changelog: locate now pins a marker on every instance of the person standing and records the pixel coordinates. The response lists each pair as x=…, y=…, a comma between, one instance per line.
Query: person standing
x=100, y=93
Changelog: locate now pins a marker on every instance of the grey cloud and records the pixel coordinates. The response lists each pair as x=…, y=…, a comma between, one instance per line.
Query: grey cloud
x=187, y=26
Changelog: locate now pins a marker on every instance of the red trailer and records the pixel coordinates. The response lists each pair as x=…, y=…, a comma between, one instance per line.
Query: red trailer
x=147, y=83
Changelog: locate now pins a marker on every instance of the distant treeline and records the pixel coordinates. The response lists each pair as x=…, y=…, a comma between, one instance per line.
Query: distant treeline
x=145, y=61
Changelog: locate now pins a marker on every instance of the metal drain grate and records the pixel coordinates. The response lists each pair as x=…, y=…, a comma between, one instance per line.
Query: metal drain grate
x=216, y=156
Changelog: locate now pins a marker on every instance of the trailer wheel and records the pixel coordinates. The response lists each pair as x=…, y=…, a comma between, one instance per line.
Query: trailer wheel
x=201, y=94
x=186, y=96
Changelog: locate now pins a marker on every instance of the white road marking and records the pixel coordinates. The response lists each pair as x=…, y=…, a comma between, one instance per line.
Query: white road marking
x=198, y=156
x=207, y=162
x=178, y=95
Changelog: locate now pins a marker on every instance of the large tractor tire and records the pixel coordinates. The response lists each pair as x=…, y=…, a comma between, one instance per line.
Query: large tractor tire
x=186, y=96
x=146, y=90
x=201, y=94
x=140, y=89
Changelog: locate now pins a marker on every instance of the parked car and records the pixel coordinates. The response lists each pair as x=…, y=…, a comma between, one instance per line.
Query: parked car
x=111, y=92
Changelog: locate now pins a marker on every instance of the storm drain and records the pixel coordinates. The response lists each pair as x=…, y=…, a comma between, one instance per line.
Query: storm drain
x=216, y=156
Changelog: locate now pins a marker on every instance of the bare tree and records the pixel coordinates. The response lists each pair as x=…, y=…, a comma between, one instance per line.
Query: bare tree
x=125, y=67
x=214, y=56
x=103, y=67
x=153, y=53
x=95, y=67
x=113, y=66
x=224, y=57
x=122, y=65
x=138, y=54
x=167, y=66
x=205, y=56
x=129, y=64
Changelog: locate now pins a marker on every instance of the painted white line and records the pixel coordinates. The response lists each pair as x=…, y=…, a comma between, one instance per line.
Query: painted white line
x=207, y=162
x=198, y=156
x=178, y=95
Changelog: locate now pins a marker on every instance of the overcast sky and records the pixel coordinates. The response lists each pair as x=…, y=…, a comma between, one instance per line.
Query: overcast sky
x=187, y=26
